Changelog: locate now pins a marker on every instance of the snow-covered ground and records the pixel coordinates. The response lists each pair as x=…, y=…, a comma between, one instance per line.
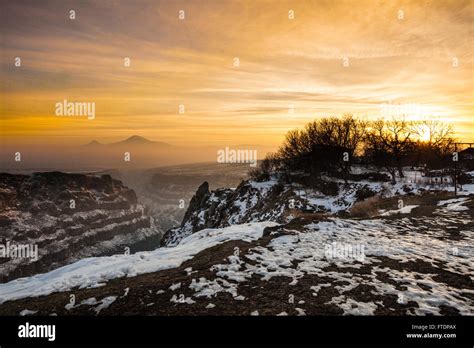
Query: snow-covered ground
x=346, y=196
x=422, y=259
x=92, y=271
x=358, y=243
x=415, y=254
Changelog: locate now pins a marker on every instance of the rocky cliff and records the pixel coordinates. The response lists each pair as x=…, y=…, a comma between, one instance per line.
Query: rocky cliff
x=250, y=201
x=66, y=217
x=279, y=200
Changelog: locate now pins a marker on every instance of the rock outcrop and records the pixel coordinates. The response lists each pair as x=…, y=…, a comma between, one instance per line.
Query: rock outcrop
x=275, y=200
x=250, y=201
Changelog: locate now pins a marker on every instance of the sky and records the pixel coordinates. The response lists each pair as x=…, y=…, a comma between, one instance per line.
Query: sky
x=297, y=61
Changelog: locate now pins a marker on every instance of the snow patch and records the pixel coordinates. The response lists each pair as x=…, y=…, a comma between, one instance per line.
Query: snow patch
x=95, y=270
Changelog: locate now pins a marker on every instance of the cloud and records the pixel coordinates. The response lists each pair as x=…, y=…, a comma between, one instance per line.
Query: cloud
x=190, y=62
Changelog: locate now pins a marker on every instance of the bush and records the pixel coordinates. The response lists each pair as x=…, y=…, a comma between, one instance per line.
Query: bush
x=329, y=188
x=364, y=193
x=372, y=176
x=259, y=175
x=464, y=178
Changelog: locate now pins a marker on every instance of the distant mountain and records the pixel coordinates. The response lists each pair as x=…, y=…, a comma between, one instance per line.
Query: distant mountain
x=133, y=140
x=136, y=139
x=94, y=143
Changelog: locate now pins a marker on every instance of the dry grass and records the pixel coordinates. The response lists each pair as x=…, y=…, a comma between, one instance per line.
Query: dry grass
x=366, y=208
x=370, y=207
x=295, y=213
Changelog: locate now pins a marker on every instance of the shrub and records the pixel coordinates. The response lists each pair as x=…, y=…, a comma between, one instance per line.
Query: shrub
x=364, y=193
x=259, y=175
x=329, y=188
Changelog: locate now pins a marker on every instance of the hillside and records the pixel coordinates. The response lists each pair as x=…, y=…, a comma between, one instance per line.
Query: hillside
x=312, y=258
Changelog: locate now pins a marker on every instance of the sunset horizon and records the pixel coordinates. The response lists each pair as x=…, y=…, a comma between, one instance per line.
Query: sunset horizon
x=230, y=72
x=193, y=170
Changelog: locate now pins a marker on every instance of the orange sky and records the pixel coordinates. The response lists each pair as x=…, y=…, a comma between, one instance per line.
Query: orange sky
x=423, y=61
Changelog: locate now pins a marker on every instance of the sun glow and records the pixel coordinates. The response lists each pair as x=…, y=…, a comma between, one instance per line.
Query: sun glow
x=424, y=133
x=330, y=59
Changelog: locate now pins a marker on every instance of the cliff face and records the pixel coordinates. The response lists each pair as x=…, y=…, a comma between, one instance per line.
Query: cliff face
x=167, y=191
x=277, y=200
x=66, y=217
x=249, y=202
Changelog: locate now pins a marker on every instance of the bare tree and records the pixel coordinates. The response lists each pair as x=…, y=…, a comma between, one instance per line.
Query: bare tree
x=390, y=142
x=377, y=149
x=436, y=135
x=325, y=144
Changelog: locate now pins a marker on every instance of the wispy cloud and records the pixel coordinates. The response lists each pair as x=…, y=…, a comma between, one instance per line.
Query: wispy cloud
x=283, y=62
